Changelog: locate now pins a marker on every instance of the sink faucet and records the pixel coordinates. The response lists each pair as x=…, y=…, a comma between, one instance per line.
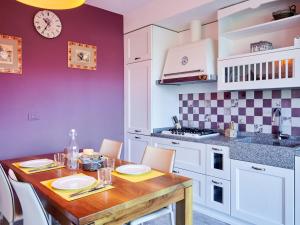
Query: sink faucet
x=277, y=113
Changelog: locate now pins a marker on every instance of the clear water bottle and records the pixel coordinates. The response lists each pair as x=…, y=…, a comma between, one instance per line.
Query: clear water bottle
x=73, y=151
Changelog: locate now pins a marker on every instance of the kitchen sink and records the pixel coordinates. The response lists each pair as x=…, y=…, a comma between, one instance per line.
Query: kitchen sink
x=290, y=143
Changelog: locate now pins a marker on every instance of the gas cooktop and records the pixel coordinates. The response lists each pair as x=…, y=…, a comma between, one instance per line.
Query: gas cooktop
x=191, y=132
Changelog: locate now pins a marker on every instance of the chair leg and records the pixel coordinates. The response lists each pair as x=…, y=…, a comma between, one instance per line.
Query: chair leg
x=172, y=218
x=50, y=219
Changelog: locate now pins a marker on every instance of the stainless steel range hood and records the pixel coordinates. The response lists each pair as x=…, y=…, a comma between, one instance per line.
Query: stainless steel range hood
x=195, y=61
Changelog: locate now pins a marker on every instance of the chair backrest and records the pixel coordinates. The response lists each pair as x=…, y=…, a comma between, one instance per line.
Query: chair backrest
x=159, y=158
x=7, y=203
x=32, y=208
x=111, y=149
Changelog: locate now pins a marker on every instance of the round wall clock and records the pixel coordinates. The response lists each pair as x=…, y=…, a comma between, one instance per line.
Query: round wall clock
x=47, y=24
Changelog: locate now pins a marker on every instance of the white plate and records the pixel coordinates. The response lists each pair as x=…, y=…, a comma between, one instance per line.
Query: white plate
x=133, y=169
x=36, y=163
x=73, y=182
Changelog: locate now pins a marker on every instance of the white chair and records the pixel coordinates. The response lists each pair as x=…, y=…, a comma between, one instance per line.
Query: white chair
x=111, y=149
x=7, y=201
x=33, y=210
x=163, y=160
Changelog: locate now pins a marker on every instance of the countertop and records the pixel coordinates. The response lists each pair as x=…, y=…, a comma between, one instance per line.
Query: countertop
x=277, y=156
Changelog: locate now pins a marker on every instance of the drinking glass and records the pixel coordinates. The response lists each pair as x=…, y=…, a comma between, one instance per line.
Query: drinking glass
x=105, y=175
x=110, y=163
x=59, y=159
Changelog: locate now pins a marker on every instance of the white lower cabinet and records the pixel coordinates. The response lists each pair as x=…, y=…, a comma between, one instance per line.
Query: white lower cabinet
x=135, y=147
x=198, y=184
x=262, y=195
x=218, y=194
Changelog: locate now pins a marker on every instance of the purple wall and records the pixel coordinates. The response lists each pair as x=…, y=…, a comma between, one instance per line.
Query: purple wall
x=63, y=98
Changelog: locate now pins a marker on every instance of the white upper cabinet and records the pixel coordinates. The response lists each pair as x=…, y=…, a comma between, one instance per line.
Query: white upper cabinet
x=262, y=194
x=250, y=22
x=137, y=95
x=138, y=45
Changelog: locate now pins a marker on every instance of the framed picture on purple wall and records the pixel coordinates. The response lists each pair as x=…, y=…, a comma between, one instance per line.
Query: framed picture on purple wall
x=82, y=56
x=10, y=54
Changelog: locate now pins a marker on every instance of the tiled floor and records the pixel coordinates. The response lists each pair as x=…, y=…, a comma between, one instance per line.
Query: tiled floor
x=199, y=219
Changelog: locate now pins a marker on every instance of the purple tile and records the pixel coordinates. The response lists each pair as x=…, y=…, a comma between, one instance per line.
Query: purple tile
x=180, y=97
x=190, y=110
x=296, y=112
x=214, y=125
x=242, y=94
x=235, y=119
x=267, y=103
x=214, y=110
x=286, y=103
x=276, y=94
x=267, y=120
x=195, y=103
x=184, y=103
x=275, y=129
x=220, y=118
x=184, y=116
x=214, y=96
x=180, y=110
x=226, y=126
x=242, y=127
x=295, y=93
x=201, y=96
x=258, y=94
x=196, y=117
x=220, y=103
x=249, y=119
x=242, y=111
x=258, y=111
x=227, y=95
x=250, y=103
x=190, y=96
x=201, y=110
x=296, y=131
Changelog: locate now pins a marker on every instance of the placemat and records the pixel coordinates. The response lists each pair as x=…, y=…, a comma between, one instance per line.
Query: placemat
x=35, y=170
x=139, y=178
x=65, y=194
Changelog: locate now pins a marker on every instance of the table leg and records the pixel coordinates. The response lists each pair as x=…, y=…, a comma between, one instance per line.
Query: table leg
x=184, y=208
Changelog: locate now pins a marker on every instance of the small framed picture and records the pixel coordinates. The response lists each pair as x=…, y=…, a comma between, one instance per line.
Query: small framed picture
x=10, y=54
x=82, y=56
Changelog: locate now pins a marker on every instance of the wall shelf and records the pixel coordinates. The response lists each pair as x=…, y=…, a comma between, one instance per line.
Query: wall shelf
x=268, y=27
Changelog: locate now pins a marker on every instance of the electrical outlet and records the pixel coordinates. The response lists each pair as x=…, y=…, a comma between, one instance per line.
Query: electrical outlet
x=33, y=116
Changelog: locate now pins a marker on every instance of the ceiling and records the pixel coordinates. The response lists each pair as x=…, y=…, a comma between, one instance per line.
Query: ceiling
x=118, y=6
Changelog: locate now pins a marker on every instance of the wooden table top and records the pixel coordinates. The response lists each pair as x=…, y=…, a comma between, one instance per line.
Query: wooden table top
x=92, y=207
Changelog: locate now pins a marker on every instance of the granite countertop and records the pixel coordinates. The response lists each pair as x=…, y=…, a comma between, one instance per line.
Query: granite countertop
x=277, y=156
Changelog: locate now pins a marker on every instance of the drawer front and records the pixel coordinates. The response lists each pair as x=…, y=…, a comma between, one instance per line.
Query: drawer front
x=187, y=157
x=218, y=162
x=198, y=184
x=218, y=194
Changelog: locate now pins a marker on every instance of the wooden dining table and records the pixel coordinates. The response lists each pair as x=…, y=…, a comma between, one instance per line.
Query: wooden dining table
x=125, y=202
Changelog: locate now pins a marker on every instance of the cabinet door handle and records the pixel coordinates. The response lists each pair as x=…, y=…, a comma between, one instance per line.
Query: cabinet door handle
x=175, y=171
x=136, y=137
x=137, y=58
x=257, y=168
x=137, y=131
x=216, y=149
x=217, y=183
x=175, y=143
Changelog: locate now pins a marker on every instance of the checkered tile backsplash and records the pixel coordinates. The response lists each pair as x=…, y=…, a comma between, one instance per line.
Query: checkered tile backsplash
x=252, y=110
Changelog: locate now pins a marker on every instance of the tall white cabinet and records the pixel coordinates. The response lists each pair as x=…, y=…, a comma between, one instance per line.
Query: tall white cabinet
x=145, y=101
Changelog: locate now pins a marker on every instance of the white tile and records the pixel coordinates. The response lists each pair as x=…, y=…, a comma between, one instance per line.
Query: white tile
x=207, y=125
x=286, y=130
x=234, y=95
x=214, y=103
x=184, y=110
x=221, y=126
x=287, y=121
x=267, y=94
x=242, y=119
x=207, y=110
x=295, y=122
x=286, y=93
x=250, y=95
x=250, y=111
x=267, y=129
x=190, y=117
x=214, y=118
x=195, y=110
x=276, y=103
x=227, y=119
x=220, y=111
x=220, y=95
x=296, y=103
x=201, y=117
x=250, y=127
x=185, y=123
x=201, y=103
x=234, y=111
x=267, y=111
x=286, y=112
x=258, y=128
x=242, y=103
x=190, y=103
x=207, y=96
x=227, y=103
x=207, y=103
x=227, y=111
x=258, y=120
x=195, y=96
x=184, y=97
x=196, y=124
x=258, y=103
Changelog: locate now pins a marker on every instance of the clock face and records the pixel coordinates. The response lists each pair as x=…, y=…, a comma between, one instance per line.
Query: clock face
x=47, y=24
